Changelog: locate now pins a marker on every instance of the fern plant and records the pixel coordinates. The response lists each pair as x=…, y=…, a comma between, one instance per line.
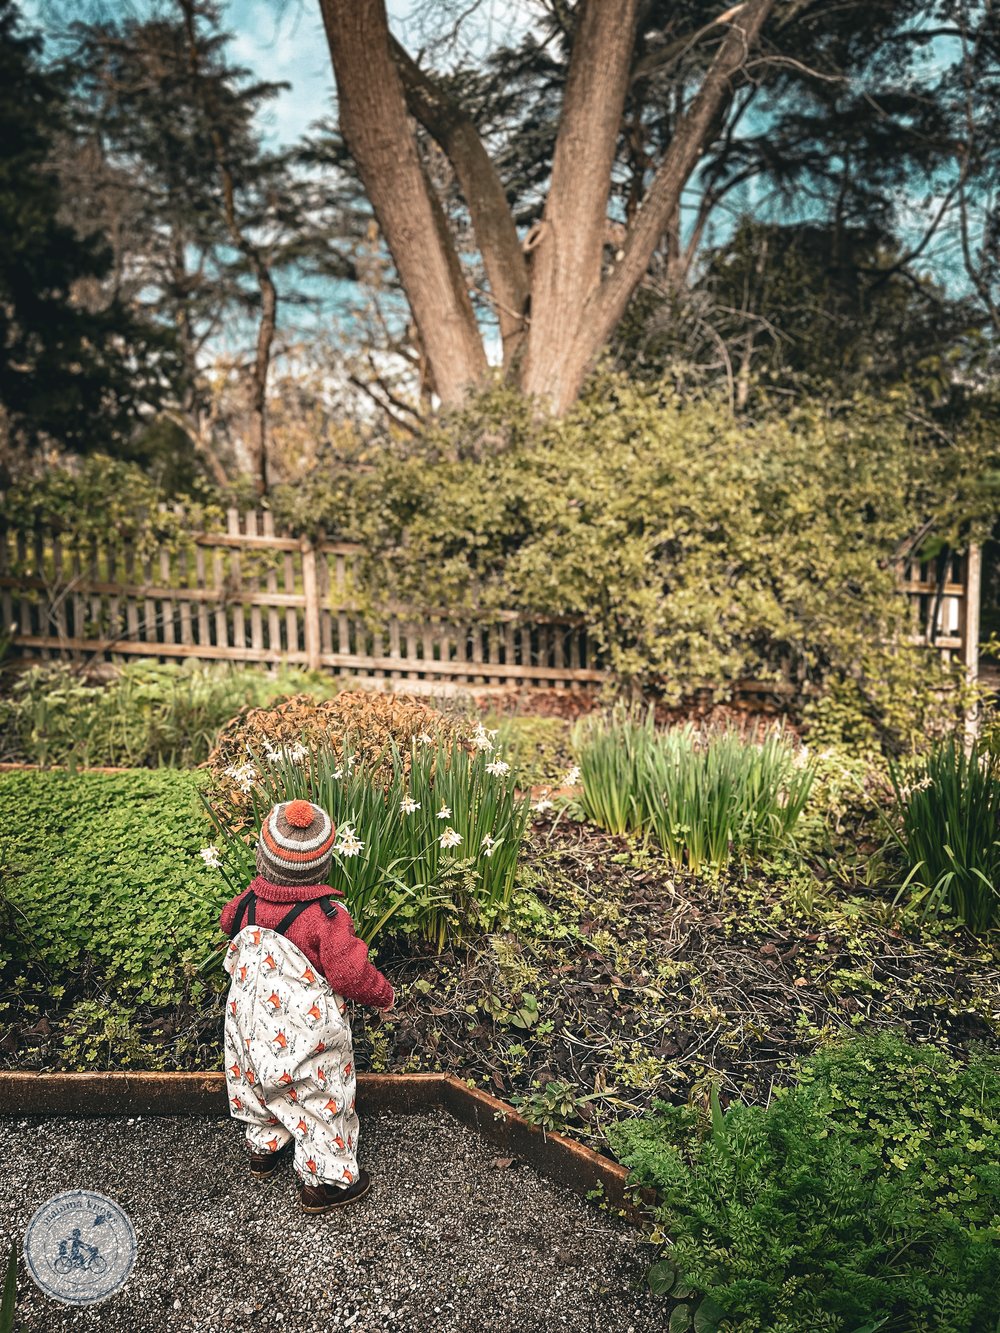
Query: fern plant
x=866, y=1194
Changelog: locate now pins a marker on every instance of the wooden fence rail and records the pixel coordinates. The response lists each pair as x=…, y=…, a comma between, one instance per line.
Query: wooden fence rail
x=251, y=595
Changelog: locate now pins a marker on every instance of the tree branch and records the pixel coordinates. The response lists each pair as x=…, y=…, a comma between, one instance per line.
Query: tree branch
x=607, y=304
x=452, y=127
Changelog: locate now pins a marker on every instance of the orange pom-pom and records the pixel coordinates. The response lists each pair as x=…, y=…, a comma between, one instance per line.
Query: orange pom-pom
x=299, y=814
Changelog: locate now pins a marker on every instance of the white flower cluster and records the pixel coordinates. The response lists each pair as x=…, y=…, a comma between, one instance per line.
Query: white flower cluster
x=481, y=739
x=444, y=812
x=422, y=739
x=276, y=754
x=244, y=775
x=499, y=767
x=572, y=778
x=407, y=805
x=488, y=845
x=450, y=838
x=211, y=856
x=348, y=843
x=542, y=806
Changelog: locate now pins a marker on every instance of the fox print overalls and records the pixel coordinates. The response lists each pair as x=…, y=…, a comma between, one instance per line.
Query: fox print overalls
x=289, y=1056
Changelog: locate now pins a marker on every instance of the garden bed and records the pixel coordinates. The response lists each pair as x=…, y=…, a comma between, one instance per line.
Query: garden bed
x=619, y=981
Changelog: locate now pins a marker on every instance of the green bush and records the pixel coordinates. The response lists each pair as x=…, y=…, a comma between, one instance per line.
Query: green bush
x=948, y=817
x=101, y=873
x=108, y=500
x=697, y=548
x=147, y=714
x=427, y=840
x=865, y=1196
x=703, y=799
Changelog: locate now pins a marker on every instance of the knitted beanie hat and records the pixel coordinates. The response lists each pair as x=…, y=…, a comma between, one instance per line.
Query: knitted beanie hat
x=296, y=844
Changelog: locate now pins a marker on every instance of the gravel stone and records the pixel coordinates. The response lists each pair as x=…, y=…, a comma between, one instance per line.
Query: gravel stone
x=446, y=1241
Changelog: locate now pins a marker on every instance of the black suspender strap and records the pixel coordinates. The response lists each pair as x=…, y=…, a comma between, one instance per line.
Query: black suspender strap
x=246, y=914
x=289, y=917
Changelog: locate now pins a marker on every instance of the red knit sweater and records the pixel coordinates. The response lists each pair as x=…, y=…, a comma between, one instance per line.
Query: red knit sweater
x=328, y=942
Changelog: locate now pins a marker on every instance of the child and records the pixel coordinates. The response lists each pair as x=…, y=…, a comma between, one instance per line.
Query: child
x=294, y=958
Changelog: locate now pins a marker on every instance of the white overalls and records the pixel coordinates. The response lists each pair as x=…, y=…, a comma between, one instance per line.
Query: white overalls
x=289, y=1057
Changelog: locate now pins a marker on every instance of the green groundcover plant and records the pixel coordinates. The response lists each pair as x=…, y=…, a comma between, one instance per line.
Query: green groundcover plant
x=947, y=827
x=431, y=848
x=702, y=798
x=147, y=714
x=866, y=1196
x=100, y=874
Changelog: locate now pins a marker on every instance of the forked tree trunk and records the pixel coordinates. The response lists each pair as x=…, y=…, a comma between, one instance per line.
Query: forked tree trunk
x=572, y=308
x=566, y=262
x=377, y=130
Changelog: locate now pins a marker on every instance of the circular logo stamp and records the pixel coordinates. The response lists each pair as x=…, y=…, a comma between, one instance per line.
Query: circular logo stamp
x=80, y=1247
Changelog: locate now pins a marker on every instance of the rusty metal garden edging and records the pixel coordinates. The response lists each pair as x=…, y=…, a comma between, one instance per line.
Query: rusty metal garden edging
x=135, y=1093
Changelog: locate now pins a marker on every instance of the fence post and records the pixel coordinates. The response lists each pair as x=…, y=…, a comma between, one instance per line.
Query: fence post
x=310, y=589
x=969, y=627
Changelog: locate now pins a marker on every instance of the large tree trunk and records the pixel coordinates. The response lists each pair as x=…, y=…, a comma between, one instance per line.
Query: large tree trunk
x=566, y=261
x=605, y=305
x=572, y=310
x=376, y=129
x=496, y=234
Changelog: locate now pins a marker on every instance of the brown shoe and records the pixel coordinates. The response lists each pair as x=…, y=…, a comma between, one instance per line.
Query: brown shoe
x=264, y=1164
x=323, y=1198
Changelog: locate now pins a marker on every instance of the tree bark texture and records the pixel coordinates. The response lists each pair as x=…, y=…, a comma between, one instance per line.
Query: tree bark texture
x=566, y=262
x=378, y=133
x=453, y=129
x=557, y=309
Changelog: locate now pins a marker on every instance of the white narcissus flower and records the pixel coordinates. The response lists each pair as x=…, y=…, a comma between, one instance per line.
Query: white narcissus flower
x=244, y=775
x=444, y=812
x=349, y=843
x=211, y=856
x=572, y=778
x=499, y=767
x=544, y=804
x=488, y=845
x=337, y=774
x=450, y=838
x=408, y=805
x=482, y=739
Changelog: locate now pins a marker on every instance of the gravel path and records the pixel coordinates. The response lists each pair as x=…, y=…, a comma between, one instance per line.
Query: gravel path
x=446, y=1242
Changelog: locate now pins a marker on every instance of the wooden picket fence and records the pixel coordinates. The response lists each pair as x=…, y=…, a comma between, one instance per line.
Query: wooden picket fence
x=945, y=603
x=250, y=594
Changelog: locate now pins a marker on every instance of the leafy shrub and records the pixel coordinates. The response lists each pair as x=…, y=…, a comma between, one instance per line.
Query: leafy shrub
x=697, y=548
x=864, y=1196
x=427, y=839
x=107, y=499
x=375, y=722
x=147, y=714
x=701, y=798
x=948, y=815
x=101, y=872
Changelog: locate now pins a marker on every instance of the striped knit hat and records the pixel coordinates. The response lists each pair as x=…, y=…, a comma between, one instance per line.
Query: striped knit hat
x=296, y=844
